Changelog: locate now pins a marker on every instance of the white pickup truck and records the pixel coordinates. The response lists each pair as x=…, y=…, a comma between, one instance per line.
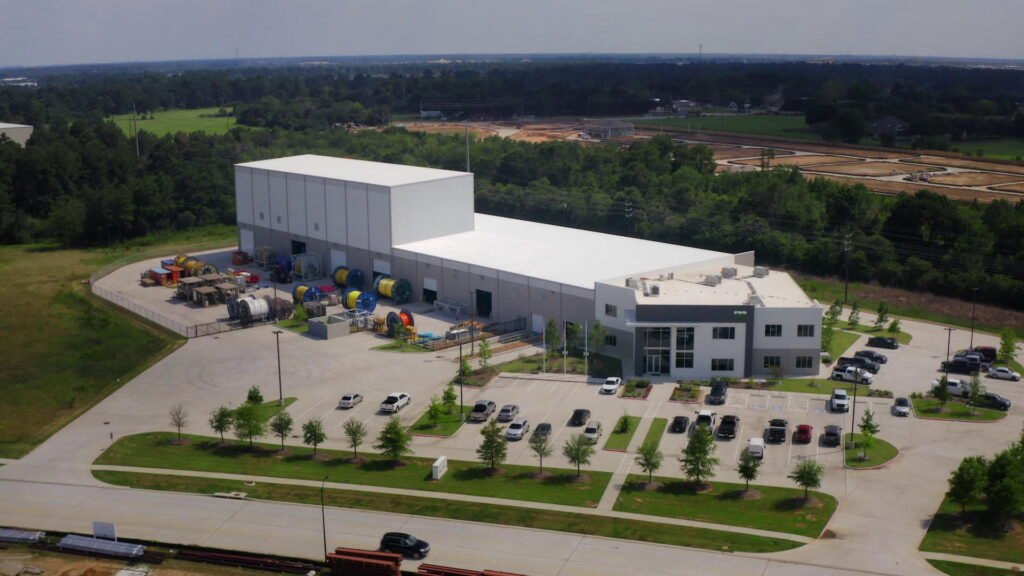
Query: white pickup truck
x=852, y=374
x=956, y=386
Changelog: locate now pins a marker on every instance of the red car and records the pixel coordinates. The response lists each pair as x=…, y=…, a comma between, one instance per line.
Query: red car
x=804, y=433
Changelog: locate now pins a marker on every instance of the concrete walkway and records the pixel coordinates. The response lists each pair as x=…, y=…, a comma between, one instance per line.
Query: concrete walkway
x=618, y=480
x=1013, y=566
x=465, y=498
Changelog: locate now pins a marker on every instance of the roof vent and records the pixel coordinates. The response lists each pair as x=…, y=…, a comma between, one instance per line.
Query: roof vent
x=671, y=275
x=631, y=283
x=655, y=290
x=712, y=280
x=760, y=271
x=728, y=272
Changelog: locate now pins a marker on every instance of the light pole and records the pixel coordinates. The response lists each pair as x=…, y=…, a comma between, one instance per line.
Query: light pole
x=323, y=516
x=853, y=413
x=462, y=409
x=472, y=313
x=280, y=389
x=974, y=304
x=949, y=337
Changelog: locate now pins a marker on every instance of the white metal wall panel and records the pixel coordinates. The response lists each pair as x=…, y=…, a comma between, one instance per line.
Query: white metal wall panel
x=278, y=202
x=246, y=241
x=337, y=221
x=243, y=195
x=381, y=266
x=316, y=208
x=260, y=198
x=545, y=285
x=511, y=277
x=431, y=209
x=430, y=283
x=484, y=272
x=355, y=212
x=338, y=258
x=455, y=265
x=297, y=205
x=577, y=291
x=379, y=210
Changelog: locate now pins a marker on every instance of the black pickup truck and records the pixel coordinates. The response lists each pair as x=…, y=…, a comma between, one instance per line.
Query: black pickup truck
x=778, y=430
x=860, y=362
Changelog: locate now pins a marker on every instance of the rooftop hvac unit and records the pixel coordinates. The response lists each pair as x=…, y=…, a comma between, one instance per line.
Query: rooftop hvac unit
x=712, y=280
x=760, y=271
x=655, y=290
x=631, y=283
x=728, y=272
x=671, y=275
x=755, y=300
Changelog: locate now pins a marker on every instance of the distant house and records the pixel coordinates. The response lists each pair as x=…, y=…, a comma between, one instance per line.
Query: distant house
x=431, y=114
x=608, y=129
x=19, y=133
x=888, y=126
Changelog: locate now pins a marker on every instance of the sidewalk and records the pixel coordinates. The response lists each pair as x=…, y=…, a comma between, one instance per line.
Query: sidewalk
x=1012, y=566
x=466, y=498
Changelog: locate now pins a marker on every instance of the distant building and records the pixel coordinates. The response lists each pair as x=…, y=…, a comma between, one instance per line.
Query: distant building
x=431, y=114
x=608, y=129
x=888, y=125
x=19, y=133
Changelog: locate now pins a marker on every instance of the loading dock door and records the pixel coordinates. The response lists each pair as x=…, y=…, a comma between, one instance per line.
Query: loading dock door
x=537, y=326
x=429, y=289
x=483, y=303
x=246, y=243
x=298, y=247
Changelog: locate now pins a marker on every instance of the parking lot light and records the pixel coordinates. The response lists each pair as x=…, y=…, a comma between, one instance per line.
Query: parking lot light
x=280, y=389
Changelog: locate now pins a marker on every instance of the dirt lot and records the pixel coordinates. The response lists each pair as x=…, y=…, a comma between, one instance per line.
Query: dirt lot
x=542, y=135
x=1010, y=188
x=56, y=564
x=746, y=153
x=972, y=164
x=890, y=187
x=801, y=160
x=875, y=169
x=973, y=179
x=809, y=147
x=448, y=129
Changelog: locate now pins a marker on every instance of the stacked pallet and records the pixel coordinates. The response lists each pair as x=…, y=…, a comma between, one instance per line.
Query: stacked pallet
x=435, y=570
x=356, y=562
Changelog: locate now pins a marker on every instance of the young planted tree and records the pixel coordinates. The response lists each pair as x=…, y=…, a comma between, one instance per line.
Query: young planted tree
x=882, y=317
x=942, y=393
x=598, y=334
x=282, y=425
x=449, y=398
x=807, y=474
x=895, y=327
x=484, y=352
x=179, y=418
x=493, y=449
x=435, y=410
x=854, y=318
x=698, y=461
x=541, y=446
x=254, y=396
x=313, y=433
x=977, y=392
x=394, y=441
x=649, y=459
x=748, y=468
x=552, y=335
x=578, y=450
x=1007, y=345
x=221, y=421
x=573, y=337
x=464, y=371
x=355, y=431
x=868, y=429
x=967, y=482
x=247, y=424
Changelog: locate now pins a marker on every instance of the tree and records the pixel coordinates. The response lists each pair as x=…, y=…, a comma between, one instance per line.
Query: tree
x=1007, y=345
x=578, y=450
x=977, y=392
x=598, y=334
x=355, y=431
x=895, y=327
x=281, y=425
x=1005, y=486
x=484, y=353
x=942, y=393
x=749, y=467
x=573, y=336
x=435, y=410
x=851, y=125
x=807, y=474
x=179, y=417
x=221, y=421
x=493, y=449
x=449, y=398
x=393, y=440
x=967, y=482
x=834, y=312
x=649, y=459
x=854, y=318
x=313, y=433
x=464, y=371
x=248, y=425
x=868, y=429
x=767, y=155
x=698, y=461
x=882, y=316
x=254, y=396
x=552, y=335
x=541, y=446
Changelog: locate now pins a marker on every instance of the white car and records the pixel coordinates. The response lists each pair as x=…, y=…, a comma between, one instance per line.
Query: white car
x=755, y=447
x=517, y=429
x=840, y=401
x=611, y=385
x=350, y=400
x=1003, y=373
x=593, y=431
x=394, y=402
x=956, y=386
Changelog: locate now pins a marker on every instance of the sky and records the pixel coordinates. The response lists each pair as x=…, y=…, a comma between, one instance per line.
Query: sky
x=46, y=32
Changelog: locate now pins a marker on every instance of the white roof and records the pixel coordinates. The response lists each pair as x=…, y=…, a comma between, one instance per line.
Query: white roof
x=362, y=171
x=4, y=125
x=555, y=253
x=777, y=289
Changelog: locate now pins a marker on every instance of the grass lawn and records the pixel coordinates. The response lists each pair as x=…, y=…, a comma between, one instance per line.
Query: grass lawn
x=821, y=386
x=1003, y=148
x=440, y=508
x=600, y=365
x=841, y=342
x=295, y=325
x=618, y=440
x=174, y=121
x=958, y=569
x=880, y=452
x=400, y=346
x=779, y=509
x=763, y=125
x=205, y=454
x=65, y=350
x=447, y=425
x=928, y=408
x=656, y=431
x=949, y=533
x=270, y=408
x=902, y=337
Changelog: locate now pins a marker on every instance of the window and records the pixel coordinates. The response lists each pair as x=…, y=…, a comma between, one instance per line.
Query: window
x=721, y=365
x=684, y=339
x=684, y=359
x=611, y=310
x=804, y=361
x=278, y=219
x=611, y=340
x=657, y=338
x=723, y=333
x=261, y=215
x=805, y=330
x=316, y=226
x=773, y=330
x=770, y=361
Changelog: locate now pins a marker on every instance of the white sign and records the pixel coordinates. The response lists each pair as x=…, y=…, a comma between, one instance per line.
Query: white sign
x=104, y=530
x=439, y=468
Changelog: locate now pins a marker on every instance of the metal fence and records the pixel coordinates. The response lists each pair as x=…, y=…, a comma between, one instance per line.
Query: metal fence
x=148, y=314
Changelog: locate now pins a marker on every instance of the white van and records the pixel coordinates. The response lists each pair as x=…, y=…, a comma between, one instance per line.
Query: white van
x=755, y=447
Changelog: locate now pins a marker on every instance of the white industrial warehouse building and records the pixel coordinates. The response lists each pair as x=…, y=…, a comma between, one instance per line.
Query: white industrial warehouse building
x=671, y=311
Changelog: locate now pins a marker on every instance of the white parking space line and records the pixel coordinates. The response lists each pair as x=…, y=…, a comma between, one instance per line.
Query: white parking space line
x=778, y=402
x=350, y=414
x=307, y=410
x=738, y=399
x=532, y=386
x=757, y=401
x=799, y=402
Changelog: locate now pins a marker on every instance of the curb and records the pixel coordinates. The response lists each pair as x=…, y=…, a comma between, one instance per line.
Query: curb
x=882, y=465
x=1000, y=419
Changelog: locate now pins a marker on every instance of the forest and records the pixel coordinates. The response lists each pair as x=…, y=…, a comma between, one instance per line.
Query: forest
x=82, y=182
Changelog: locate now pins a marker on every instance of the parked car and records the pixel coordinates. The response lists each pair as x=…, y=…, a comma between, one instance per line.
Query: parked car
x=579, y=417
x=840, y=401
x=883, y=342
x=804, y=434
x=482, y=410
x=406, y=544
x=778, y=430
x=901, y=407
x=611, y=385
x=860, y=362
x=977, y=361
x=593, y=431
x=993, y=400
x=705, y=418
x=1003, y=373
x=719, y=391
x=517, y=429
x=957, y=387
x=394, y=402
x=679, y=424
x=959, y=366
x=872, y=355
x=755, y=447
x=543, y=430
x=728, y=426
x=350, y=400
x=508, y=413
x=989, y=353
x=854, y=374
x=833, y=435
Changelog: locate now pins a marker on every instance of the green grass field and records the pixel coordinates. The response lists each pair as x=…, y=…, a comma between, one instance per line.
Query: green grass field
x=928, y=408
x=950, y=533
x=656, y=431
x=841, y=342
x=761, y=125
x=447, y=425
x=618, y=440
x=1001, y=148
x=600, y=365
x=880, y=452
x=820, y=386
x=441, y=508
x=958, y=569
x=174, y=121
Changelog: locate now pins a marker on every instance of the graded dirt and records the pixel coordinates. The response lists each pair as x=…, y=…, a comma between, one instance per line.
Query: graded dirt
x=805, y=160
x=875, y=169
x=974, y=179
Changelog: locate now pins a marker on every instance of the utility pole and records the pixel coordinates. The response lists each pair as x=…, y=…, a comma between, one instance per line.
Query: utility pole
x=949, y=337
x=462, y=409
x=846, y=258
x=853, y=413
x=280, y=389
x=323, y=516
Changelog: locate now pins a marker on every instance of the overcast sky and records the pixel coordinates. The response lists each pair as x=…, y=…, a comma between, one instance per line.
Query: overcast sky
x=42, y=32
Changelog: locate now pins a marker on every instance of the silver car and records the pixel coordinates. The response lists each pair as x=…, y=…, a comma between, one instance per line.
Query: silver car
x=517, y=429
x=350, y=400
x=593, y=431
x=1003, y=373
x=901, y=407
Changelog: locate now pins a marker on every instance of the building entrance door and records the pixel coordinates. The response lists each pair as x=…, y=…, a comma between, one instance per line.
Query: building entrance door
x=656, y=363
